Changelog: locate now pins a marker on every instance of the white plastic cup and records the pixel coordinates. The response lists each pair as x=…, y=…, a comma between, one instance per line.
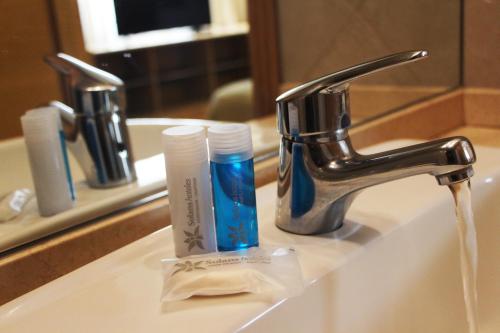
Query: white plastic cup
x=49, y=167
x=189, y=192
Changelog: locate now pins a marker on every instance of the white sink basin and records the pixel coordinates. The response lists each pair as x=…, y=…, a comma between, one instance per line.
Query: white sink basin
x=145, y=135
x=394, y=267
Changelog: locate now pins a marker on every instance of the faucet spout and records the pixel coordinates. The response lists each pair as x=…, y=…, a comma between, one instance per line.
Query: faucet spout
x=318, y=181
x=456, y=176
x=449, y=160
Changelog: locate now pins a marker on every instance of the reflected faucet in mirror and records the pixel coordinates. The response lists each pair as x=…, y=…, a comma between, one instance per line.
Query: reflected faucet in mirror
x=95, y=121
x=320, y=173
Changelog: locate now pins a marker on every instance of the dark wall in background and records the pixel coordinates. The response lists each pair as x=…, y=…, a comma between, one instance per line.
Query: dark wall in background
x=160, y=79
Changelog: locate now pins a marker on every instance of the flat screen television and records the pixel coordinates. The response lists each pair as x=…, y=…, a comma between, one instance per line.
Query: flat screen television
x=135, y=16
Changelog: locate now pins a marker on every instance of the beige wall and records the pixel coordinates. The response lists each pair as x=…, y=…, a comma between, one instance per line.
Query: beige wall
x=320, y=36
x=482, y=43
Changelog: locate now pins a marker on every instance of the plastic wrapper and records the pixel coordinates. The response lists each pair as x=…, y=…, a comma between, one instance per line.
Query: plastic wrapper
x=274, y=271
x=13, y=203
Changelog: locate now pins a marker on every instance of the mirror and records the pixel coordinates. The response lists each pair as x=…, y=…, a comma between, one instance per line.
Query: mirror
x=209, y=60
x=190, y=59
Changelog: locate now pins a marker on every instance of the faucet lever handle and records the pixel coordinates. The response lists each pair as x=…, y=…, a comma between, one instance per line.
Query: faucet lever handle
x=80, y=71
x=342, y=77
x=88, y=89
x=321, y=106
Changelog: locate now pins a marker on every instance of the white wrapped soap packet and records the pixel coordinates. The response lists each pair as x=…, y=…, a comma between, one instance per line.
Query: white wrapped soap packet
x=273, y=271
x=13, y=203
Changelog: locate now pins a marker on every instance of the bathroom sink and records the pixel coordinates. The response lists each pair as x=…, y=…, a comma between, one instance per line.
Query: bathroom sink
x=393, y=267
x=145, y=137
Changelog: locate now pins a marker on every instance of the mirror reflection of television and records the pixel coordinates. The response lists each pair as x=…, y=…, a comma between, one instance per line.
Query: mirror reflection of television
x=135, y=16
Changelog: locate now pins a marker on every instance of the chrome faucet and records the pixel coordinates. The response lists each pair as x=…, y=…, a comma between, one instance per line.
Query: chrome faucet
x=320, y=173
x=95, y=123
